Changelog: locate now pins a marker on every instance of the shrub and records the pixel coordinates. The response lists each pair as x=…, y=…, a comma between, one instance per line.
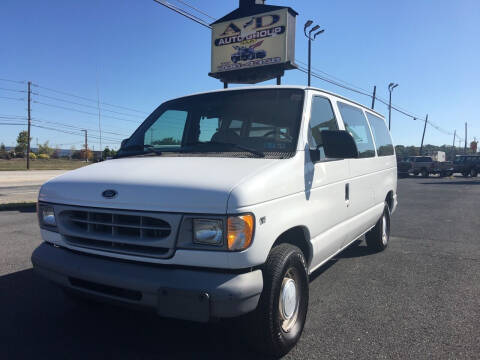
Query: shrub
x=33, y=156
x=43, y=156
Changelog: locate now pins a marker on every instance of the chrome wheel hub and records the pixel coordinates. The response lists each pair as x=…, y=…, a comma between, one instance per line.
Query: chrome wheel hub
x=289, y=301
x=384, y=230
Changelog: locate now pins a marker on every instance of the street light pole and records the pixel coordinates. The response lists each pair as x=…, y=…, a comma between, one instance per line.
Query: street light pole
x=310, y=39
x=391, y=86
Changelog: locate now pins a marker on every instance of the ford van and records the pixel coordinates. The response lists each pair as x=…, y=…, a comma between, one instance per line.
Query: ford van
x=221, y=205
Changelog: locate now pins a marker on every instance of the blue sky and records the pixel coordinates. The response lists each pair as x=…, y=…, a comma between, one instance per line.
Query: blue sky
x=142, y=54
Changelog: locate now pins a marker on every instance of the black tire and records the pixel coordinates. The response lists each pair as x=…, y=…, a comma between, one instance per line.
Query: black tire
x=465, y=174
x=443, y=174
x=271, y=334
x=377, y=239
x=473, y=172
x=424, y=173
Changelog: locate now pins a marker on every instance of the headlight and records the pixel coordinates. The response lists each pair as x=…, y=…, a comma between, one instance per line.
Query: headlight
x=208, y=232
x=240, y=232
x=46, y=216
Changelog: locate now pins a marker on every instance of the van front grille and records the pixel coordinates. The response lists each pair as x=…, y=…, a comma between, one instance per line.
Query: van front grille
x=147, y=234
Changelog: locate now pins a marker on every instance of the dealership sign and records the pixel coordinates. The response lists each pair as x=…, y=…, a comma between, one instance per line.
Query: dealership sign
x=253, y=48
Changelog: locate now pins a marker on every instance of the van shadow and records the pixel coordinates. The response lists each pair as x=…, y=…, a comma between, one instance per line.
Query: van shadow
x=37, y=321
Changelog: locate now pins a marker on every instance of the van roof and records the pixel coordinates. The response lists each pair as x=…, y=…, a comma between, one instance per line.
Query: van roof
x=289, y=87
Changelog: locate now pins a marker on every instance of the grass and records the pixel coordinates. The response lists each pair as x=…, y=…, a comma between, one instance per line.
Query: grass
x=50, y=164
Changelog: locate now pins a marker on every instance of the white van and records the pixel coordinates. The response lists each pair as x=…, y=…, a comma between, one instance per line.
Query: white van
x=222, y=204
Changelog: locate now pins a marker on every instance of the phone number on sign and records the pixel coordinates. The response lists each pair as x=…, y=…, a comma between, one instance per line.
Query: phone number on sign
x=251, y=63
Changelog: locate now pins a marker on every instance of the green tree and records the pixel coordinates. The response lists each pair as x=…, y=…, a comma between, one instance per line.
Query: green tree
x=22, y=142
x=45, y=149
x=3, y=151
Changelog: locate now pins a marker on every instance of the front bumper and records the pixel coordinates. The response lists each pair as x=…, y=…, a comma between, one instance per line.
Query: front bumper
x=182, y=293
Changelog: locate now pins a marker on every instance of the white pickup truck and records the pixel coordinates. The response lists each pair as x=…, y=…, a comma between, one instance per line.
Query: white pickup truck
x=222, y=204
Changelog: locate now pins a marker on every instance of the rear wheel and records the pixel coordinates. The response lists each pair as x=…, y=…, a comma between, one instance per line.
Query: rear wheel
x=424, y=173
x=473, y=172
x=277, y=323
x=377, y=239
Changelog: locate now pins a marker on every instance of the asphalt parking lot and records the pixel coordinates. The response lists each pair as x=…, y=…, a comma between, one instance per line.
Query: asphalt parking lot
x=418, y=299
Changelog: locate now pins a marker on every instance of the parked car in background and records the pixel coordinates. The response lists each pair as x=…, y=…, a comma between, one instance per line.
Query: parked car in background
x=403, y=167
x=222, y=204
x=425, y=166
x=467, y=165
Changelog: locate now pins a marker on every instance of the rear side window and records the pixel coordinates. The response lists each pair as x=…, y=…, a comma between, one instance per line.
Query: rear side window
x=383, y=141
x=356, y=124
x=322, y=118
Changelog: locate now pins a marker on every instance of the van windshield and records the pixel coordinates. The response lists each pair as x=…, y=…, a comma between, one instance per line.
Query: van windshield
x=241, y=123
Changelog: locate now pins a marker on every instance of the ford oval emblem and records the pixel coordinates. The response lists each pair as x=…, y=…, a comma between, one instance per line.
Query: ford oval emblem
x=109, y=194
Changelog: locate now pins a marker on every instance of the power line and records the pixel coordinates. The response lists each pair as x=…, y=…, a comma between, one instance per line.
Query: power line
x=73, y=133
x=75, y=127
x=194, y=8
x=13, y=81
x=10, y=98
x=80, y=104
x=88, y=99
x=83, y=112
x=184, y=13
x=12, y=90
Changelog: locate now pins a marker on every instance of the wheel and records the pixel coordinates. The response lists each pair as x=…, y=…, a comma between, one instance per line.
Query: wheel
x=277, y=323
x=377, y=238
x=473, y=172
x=465, y=174
x=443, y=174
x=424, y=173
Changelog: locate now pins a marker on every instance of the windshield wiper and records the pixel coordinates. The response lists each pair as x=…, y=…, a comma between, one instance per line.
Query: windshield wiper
x=240, y=147
x=147, y=150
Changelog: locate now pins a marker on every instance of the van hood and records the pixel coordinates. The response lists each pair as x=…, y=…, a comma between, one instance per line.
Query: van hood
x=170, y=184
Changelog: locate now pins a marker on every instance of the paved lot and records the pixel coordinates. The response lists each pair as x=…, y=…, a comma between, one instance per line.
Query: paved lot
x=23, y=186
x=418, y=299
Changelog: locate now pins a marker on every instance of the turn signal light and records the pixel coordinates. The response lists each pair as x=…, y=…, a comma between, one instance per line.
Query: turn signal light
x=240, y=232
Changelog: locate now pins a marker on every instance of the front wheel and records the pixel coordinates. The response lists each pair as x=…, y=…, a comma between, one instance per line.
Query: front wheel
x=280, y=316
x=377, y=239
x=424, y=173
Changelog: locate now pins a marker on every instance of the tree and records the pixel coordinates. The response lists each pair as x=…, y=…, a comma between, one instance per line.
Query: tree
x=3, y=151
x=22, y=142
x=108, y=153
x=45, y=149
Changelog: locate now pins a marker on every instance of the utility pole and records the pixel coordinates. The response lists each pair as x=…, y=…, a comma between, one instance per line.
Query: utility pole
x=454, y=135
x=99, y=119
x=29, y=125
x=86, y=145
x=374, y=95
x=465, y=149
x=423, y=136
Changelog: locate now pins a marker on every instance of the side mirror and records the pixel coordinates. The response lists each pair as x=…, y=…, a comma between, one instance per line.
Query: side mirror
x=123, y=143
x=339, y=144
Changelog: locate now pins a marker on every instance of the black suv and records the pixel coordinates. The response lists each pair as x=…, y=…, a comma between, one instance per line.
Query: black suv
x=467, y=165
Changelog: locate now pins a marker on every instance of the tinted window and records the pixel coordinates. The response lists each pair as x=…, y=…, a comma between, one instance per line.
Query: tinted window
x=383, y=141
x=208, y=127
x=356, y=124
x=167, y=130
x=322, y=118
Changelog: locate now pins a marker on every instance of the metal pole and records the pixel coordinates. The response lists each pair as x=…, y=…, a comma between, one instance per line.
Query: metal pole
x=465, y=149
x=86, y=145
x=390, y=112
x=279, y=80
x=454, y=135
x=225, y=85
x=309, y=59
x=374, y=95
x=29, y=125
x=423, y=136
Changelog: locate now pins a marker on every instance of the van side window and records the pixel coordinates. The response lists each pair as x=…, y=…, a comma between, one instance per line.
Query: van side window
x=167, y=130
x=356, y=124
x=322, y=118
x=383, y=141
x=208, y=127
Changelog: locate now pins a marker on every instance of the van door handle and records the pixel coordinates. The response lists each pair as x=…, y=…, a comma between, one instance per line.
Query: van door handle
x=347, y=193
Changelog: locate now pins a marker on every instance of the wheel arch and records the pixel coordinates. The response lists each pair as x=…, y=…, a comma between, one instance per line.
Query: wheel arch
x=298, y=236
x=389, y=199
